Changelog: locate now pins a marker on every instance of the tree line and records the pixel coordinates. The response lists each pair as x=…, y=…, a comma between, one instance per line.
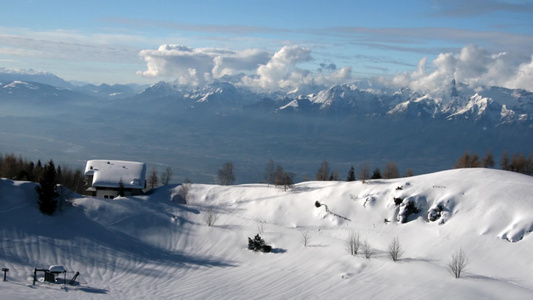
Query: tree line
x=514, y=163
x=18, y=168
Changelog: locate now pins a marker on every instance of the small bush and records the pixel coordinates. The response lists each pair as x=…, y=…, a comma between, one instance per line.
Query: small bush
x=395, y=250
x=258, y=244
x=458, y=263
x=368, y=251
x=210, y=217
x=306, y=238
x=353, y=243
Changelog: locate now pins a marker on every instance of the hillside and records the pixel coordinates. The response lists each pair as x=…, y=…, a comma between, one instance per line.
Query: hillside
x=152, y=247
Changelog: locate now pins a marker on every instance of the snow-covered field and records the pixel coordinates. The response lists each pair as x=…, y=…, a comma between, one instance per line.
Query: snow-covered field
x=149, y=247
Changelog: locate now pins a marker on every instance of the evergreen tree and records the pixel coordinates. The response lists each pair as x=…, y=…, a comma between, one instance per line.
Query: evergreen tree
x=376, y=174
x=121, y=189
x=47, y=189
x=351, y=174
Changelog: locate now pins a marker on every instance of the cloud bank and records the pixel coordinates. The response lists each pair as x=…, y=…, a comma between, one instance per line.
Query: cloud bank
x=262, y=69
x=473, y=66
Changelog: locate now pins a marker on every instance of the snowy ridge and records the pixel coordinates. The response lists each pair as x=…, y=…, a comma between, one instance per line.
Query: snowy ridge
x=151, y=247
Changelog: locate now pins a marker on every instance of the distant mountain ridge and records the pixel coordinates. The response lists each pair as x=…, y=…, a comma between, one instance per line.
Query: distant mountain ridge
x=492, y=105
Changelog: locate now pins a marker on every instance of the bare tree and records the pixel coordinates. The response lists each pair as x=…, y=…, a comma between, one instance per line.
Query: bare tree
x=226, y=175
x=306, y=238
x=364, y=172
x=395, y=249
x=153, y=180
x=458, y=263
x=270, y=172
x=210, y=217
x=488, y=160
x=323, y=172
x=283, y=178
x=166, y=176
x=367, y=249
x=391, y=171
x=183, y=193
x=353, y=243
x=409, y=173
x=504, y=162
x=468, y=160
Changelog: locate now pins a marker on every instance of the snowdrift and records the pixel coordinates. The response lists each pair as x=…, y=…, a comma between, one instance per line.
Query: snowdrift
x=151, y=247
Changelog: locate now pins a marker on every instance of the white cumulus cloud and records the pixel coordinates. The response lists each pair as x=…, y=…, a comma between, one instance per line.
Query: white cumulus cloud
x=262, y=69
x=196, y=66
x=473, y=66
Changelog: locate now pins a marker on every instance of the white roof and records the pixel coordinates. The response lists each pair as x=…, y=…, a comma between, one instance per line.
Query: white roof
x=109, y=173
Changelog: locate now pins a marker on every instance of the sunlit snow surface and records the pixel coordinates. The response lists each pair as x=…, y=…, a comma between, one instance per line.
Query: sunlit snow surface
x=149, y=247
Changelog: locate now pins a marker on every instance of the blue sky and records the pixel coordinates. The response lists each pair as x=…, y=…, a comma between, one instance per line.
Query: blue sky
x=319, y=41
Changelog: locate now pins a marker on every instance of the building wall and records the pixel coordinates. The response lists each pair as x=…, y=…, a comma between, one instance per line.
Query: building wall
x=111, y=193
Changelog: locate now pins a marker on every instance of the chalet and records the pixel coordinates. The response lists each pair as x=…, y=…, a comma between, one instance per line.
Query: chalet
x=105, y=178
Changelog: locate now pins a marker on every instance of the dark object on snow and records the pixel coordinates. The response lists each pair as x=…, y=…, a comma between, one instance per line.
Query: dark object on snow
x=50, y=273
x=73, y=280
x=258, y=244
x=318, y=204
x=435, y=213
x=407, y=208
x=5, y=270
x=397, y=201
x=399, y=188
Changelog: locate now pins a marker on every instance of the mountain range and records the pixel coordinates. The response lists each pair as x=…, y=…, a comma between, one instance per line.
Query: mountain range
x=204, y=126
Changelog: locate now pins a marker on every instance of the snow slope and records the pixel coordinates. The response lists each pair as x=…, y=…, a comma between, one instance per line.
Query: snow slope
x=149, y=247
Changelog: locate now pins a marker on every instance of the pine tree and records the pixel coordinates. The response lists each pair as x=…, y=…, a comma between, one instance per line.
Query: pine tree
x=121, y=189
x=47, y=189
x=351, y=174
x=376, y=174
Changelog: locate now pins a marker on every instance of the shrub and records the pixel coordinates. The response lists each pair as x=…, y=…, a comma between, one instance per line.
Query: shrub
x=395, y=250
x=258, y=244
x=458, y=263
x=368, y=251
x=306, y=238
x=210, y=217
x=353, y=243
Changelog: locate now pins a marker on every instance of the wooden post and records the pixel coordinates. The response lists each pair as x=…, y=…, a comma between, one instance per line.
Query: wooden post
x=5, y=270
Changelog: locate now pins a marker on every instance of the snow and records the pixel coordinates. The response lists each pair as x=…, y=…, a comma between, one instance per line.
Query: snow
x=150, y=247
x=109, y=173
